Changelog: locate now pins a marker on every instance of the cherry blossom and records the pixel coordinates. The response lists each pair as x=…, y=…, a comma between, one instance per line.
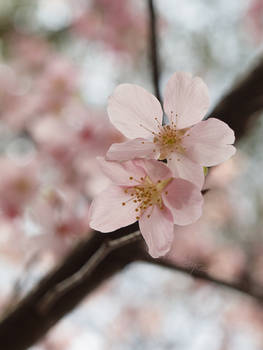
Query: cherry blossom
x=145, y=190
x=29, y=51
x=186, y=142
x=18, y=186
x=98, y=23
x=61, y=218
x=253, y=20
x=57, y=85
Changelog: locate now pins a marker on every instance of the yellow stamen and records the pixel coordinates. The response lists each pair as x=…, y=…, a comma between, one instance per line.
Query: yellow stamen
x=147, y=194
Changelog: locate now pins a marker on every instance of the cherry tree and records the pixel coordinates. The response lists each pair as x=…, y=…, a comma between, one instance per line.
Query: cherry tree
x=99, y=173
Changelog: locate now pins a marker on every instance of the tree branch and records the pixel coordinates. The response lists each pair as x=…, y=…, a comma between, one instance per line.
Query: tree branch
x=241, y=105
x=153, y=50
x=201, y=274
x=27, y=322
x=84, y=272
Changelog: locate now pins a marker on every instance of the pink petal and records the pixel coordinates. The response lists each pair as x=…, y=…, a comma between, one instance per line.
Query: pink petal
x=124, y=174
x=132, y=110
x=107, y=213
x=154, y=169
x=209, y=142
x=184, y=200
x=185, y=168
x=157, y=230
x=187, y=97
x=137, y=148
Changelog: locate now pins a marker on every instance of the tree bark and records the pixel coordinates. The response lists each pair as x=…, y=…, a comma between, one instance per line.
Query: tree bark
x=27, y=322
x=241, y=106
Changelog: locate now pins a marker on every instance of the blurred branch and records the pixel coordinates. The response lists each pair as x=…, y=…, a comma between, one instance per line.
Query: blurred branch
x=201, y=274
x=242, y=104
x=7, y=29
x=84, y=272
x=90, y=264
x=155, y=66
x=20, y=282
x=28, y=322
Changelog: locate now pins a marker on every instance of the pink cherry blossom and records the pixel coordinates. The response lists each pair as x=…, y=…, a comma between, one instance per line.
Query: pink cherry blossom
x=56, y=85
x=98, y=22
x=145, y=190
x=28, y=51
x=47, y=134
x=60, y=216
x=186, y=142
x=253, y=20
x=18, y=186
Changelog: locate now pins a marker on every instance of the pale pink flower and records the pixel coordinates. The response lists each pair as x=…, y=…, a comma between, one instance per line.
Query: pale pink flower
x=187, y=143
x=60, y=213
x=57, y=85
x=61, y=218
x=18, y=186
x=15, y=104
x=13, y=242
x=253, y=19
x=98, y=22
x=55, y=138
x=145, y=190
x=28, y=51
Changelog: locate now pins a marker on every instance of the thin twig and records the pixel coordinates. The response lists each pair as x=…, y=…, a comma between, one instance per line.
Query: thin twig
x=155, y=65
x=78, y=277
x=201, y=274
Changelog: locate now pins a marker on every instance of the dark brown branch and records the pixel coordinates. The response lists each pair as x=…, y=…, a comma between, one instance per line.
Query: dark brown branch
x=242, y=104
x=85, y=271
x=155, y=65
x=27, y=322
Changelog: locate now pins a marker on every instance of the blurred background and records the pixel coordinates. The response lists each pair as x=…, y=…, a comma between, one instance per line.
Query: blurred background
x=59, y=62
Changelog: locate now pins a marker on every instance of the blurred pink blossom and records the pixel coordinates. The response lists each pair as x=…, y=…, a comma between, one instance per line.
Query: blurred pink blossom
x=98, y=22
x=57, y=84
x=62, y=218
x=29, y=52
x=254, y=19
x=18, y=185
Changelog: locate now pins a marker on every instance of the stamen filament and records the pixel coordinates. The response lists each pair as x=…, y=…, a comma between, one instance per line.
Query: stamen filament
x=147, y=194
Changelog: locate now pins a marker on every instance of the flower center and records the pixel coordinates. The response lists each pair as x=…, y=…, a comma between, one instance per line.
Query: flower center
x=146, y=194
x=169, y=140
x=22, y=186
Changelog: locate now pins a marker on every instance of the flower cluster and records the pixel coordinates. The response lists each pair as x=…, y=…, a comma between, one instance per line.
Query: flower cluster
x=97, y=22
x=49, y=140
x=144, y=188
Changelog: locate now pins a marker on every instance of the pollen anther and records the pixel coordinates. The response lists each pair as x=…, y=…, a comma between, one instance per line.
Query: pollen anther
x=147, y=193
